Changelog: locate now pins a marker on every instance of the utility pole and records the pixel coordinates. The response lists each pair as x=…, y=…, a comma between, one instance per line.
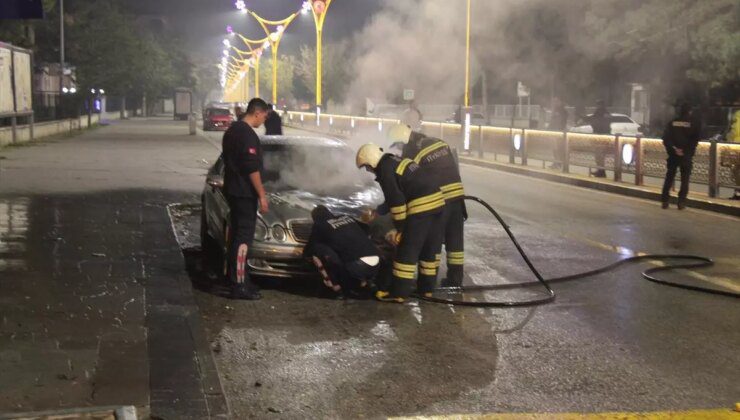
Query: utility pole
x=61, y=54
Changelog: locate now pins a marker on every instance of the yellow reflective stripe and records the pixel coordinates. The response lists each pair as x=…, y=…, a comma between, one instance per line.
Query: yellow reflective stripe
x=456, y=254
x=402, y=166
x=451, y=186
x=424, y=199
x=427, y=150
x=404, y=267
x=398, y=217
x=398, y=209
x=428, y=271
x=427, y=207
x=404, y=274
x=428, y=264
x=451, y=195
x=456, y=261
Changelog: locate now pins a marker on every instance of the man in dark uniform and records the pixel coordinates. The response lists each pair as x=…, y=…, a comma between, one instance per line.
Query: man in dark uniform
x=242, y=155
x=342, y=252
x=416, y=204
x=680, y=138
x=601, y=123
x=437, y=156
x=273, y=124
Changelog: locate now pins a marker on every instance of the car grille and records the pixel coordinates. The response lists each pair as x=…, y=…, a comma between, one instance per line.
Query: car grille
x=301, y=229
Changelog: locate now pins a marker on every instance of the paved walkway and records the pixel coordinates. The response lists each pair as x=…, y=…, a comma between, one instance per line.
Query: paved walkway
x=95, y=306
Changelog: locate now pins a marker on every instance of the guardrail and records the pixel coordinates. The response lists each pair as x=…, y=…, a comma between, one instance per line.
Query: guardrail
x=715, y=164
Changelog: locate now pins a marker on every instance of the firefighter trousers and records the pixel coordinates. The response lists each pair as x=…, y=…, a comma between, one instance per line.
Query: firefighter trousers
x=420, y=248
x=454, y=242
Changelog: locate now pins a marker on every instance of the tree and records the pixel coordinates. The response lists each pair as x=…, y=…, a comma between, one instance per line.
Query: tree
x=286, y=73
x=335, y=70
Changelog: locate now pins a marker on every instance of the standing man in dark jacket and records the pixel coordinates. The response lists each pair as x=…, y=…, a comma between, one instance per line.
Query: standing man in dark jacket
x=601, y=123
x=242, y=155
x=680, y=138
x=273, y=124
x=558, y=122
x=436, y=156
x=416, y=203
x=342, y=252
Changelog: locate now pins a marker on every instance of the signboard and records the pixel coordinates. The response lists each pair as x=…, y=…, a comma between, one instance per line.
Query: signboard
x=408, y=94
x=522, y=91
x=6, y=87
x=22, y=78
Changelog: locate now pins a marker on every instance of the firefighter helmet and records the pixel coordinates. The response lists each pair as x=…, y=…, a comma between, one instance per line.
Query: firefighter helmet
x=369, y=155
x=399, y=133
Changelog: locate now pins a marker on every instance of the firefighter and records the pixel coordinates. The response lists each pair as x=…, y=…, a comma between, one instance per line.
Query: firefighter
x=342, y=252
x=680, y=138
x=416, y=204
x=437, y=156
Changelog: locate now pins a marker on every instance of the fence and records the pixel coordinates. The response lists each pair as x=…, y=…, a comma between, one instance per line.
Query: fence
x=716, y=165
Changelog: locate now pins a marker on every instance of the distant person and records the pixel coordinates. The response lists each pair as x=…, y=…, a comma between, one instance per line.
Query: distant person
x=342, y=252
x=412, y=116
x=273, y=124
x=242, y=155
x=601, y=123
x=680, y=138
x=558, y=122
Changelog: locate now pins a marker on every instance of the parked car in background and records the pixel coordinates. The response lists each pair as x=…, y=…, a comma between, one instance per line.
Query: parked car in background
x=620, y=124
x=217, y=119
x=299, y=173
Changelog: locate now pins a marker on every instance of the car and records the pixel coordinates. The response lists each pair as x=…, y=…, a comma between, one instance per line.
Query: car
x=620, y=124
x=298, y=173
x=217, y=119
x=476, y=118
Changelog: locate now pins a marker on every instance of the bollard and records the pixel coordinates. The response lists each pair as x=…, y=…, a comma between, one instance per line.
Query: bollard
x=192, y=123
x=566, y=153
x=617, y=159
x=713, y=170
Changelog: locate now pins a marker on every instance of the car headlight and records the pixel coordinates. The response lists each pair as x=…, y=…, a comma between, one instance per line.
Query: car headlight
x=279, y=233
x=260, y=230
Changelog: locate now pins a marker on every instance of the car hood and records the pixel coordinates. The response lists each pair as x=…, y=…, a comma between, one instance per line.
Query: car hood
x=296, y=204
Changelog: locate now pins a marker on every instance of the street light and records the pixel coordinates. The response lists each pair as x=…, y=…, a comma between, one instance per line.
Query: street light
x=273, y=40
x=318, y=9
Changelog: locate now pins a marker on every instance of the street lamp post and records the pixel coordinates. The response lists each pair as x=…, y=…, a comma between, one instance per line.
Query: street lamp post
x=467, y=58
x=319, y=9
x=274, y=38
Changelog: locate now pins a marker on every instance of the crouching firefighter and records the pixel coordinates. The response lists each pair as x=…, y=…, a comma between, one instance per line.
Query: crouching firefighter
x=436, y=156
x=416, y=205
x=344, y=255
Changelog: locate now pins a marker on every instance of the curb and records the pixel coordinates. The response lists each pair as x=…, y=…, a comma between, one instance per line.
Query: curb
x=636, y=192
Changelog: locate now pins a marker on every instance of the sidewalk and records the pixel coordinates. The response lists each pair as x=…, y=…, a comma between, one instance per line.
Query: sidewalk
x=96, y=308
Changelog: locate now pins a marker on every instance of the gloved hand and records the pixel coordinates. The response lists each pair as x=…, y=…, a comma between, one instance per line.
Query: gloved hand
x=393, y=237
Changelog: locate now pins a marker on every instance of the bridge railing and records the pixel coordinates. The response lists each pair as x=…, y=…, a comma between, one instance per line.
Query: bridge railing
x=628, y=158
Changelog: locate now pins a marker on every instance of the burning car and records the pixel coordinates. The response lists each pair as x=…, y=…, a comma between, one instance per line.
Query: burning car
x=299, y=173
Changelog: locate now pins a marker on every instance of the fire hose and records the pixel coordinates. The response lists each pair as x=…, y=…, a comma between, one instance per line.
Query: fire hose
x=455, y=295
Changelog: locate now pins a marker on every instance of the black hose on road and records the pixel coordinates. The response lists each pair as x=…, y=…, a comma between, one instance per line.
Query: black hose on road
x=694, y=261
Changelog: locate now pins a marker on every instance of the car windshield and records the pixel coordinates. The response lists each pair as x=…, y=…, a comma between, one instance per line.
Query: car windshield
x=216, y=111
x=321, y=170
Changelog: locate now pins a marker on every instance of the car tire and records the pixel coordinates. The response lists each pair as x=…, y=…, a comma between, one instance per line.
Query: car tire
x=211, y=253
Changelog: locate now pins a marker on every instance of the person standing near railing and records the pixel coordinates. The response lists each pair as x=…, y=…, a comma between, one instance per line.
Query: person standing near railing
x=680, y=138
x=558, y=122
x=601, y=123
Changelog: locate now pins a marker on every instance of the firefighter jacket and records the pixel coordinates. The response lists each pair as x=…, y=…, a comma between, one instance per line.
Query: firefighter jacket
x=409, y=189
x=436, y=157
x=343, y=235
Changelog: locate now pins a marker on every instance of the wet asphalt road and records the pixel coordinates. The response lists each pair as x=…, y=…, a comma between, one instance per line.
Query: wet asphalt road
x=93, y=309
x=610, y=343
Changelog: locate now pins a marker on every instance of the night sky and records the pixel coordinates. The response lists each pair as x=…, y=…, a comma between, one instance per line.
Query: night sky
x=202, y=23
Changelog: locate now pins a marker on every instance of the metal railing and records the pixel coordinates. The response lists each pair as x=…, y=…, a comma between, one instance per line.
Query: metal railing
x=715, y=164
